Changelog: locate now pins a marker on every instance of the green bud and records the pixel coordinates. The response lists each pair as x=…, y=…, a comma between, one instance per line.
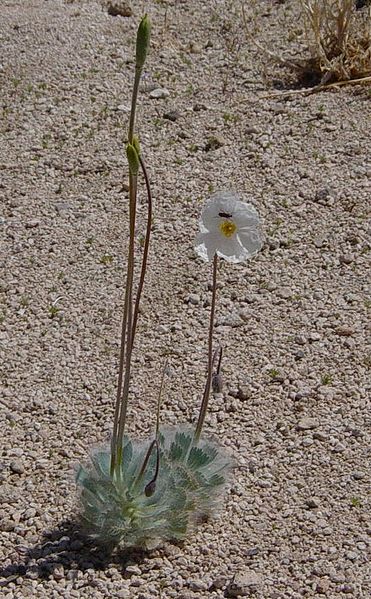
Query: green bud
x=133, y=159
x=143, y=35
x=136, y=144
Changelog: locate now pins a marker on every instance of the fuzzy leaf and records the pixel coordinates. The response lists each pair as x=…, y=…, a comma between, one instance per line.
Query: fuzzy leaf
x=188, y=487
x=198, y=457
x=176, y=452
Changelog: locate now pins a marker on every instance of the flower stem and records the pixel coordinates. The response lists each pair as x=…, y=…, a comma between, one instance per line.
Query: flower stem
x=145, y=463
x=159, y=400
x=126, y=339
x=129, y=329
x=145, y=249
x=129, y=320
x=135, y=315
x=134, y=98
x=206, y=395
x=118, y=436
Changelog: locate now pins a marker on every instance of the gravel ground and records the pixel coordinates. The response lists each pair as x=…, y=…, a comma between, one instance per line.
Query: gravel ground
x=293, y=321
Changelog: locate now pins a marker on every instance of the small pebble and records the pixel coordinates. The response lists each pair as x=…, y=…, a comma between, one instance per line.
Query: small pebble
x=312, y=502
x=218, y=583
x=358, y=475
x=307, y=424
x=244, y=392
x=314, y=336
x=344, y=331
x=195, y=48
x=159, y=93
x=119, y=8
x=17, y=467
x=346, y=259
x=172, y=115
x=133, y=569
x=214, y=142
x=193, y=298
x=32, y=224
x=243, y=584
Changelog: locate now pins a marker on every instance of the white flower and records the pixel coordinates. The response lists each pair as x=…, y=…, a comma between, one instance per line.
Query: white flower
x=229, y=228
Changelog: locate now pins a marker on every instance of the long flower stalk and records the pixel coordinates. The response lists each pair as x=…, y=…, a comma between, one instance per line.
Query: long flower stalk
x=145, y=247
x=129, y=326
x=206, y=395
x=129, y=321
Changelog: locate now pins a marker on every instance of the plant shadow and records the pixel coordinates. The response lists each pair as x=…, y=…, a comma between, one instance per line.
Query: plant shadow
x=66, y=546
x=304, y=78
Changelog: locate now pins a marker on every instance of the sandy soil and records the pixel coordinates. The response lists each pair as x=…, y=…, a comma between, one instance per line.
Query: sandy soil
x=293, y=321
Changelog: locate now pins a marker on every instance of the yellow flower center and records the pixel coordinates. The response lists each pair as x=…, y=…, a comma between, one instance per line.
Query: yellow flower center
x=227, y=227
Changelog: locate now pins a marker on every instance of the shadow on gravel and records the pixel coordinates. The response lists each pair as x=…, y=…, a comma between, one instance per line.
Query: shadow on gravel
x=304, y=80
x=64, y=552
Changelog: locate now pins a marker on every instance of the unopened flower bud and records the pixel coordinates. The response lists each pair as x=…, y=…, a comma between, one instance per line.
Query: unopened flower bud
x=217, y=383
x=143, y=36
x=136, y=144
x=133, y=159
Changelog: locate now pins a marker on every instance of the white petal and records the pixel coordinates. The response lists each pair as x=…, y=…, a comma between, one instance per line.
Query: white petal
x=243, y=244
x=221, y=201
x=227, y=202
x=251, y=240
x=205, y=245
x=245, y=215
x=231, y=249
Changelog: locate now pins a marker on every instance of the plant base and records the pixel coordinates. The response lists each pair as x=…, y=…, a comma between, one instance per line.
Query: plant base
x=189, y=488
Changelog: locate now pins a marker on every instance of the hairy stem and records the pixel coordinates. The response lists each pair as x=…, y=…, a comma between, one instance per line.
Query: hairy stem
x=119, y=383
x=126, y=332
x=145, y=463
x=126, y=329
x=135, y=314
x=159, y=400
x=129, y=329
x=206, y=395
x=145, y=249
x=134, y=98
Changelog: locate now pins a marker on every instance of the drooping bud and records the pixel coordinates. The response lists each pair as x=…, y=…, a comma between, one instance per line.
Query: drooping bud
x=150, y=488
x=133, y=159
x=217, y=383
x=143, y=37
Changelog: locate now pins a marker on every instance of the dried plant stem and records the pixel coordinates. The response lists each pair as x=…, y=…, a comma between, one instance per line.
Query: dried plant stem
x=316, y=88
x=206, y=395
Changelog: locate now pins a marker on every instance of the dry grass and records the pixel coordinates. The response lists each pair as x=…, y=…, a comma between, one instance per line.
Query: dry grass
x=339, y=39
